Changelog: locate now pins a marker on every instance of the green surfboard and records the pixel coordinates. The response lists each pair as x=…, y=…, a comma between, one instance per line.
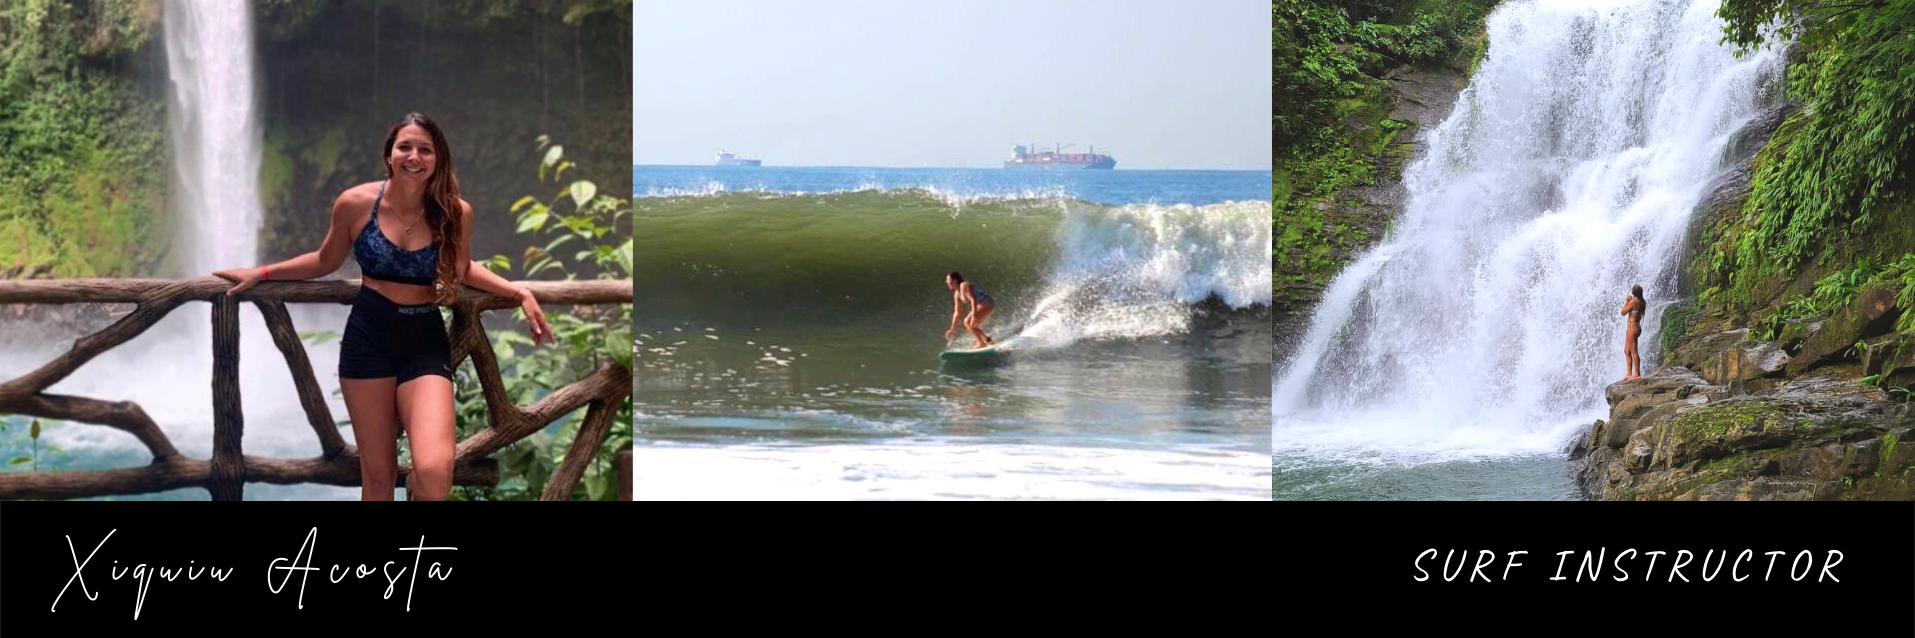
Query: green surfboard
x=988, y=353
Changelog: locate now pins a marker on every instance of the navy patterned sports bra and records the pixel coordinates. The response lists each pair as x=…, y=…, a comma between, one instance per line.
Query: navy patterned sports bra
x=379, y=259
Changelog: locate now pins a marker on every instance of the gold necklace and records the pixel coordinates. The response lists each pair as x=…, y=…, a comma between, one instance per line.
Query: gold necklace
x=415, y=219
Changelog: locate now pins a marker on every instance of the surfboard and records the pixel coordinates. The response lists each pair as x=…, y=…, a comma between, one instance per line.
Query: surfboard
x=986, y=353
x=990, y=353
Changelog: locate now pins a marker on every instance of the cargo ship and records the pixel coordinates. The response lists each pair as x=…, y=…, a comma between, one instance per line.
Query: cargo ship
x=728, y=159
x=1025, y=157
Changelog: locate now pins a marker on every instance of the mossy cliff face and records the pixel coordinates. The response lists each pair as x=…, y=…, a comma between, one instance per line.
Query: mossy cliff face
x=496, y=74
x=83, y=145
x=1356, y=92
x=1724, y=295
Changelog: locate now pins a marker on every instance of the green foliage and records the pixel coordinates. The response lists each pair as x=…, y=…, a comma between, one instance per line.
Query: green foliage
x=1328, y=52
x=1838, y=289
x=586, y=220
x=39, y=38
x=318, y=337
x=1330, y=116
x=1841, y=163
x=1675, y=324
x=1751, y=24
x=35, y=449
x=287, y=19
x=1902, y=272
x=82, y=142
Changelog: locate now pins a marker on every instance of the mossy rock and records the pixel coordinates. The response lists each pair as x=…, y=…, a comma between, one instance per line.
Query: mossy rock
x=1872, y=313
x=1715, y=430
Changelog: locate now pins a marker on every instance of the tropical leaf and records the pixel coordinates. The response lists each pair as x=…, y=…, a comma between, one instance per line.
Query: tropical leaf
x=582, y=192
x=533, y=221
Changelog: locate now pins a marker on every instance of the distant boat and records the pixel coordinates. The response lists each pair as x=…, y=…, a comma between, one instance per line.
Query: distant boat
x=727, y=159
x=1023, y=157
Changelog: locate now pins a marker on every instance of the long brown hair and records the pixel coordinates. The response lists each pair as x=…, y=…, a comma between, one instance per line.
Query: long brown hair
x=442, y=206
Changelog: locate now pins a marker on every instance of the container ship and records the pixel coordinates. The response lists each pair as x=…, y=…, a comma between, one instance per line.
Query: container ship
x=728, y=159
x=1025, y=157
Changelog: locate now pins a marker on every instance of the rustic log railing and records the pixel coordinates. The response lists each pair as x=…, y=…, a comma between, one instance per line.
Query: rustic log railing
x=602, y=391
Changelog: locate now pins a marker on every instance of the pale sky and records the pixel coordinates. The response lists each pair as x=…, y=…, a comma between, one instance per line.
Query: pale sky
x=952, y=83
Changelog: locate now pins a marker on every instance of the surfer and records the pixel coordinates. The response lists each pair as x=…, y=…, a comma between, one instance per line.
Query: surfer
x=1633, y=305
x=981, y=307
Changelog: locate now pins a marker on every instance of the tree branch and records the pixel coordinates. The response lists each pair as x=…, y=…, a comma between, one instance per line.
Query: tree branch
x=610, y=382
x=228, y=481
x=598, y=420
x=181, y=472
x=228, y=471
x=125, y=416
x=280, y=324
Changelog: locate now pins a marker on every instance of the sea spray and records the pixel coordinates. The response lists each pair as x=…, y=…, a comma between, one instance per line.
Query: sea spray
x=1139, y=270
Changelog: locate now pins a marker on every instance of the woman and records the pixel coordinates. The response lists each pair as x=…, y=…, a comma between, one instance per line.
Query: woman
x=981, y=306
x=1633, y=305
x=412, y=235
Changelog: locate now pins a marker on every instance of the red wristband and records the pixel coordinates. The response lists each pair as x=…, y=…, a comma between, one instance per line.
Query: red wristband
x=264, y=272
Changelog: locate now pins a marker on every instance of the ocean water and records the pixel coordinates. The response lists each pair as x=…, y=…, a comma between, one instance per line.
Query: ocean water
x=790, y=321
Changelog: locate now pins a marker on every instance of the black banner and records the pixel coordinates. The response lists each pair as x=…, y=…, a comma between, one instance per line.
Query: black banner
x=1491, y=568
x=147, y=566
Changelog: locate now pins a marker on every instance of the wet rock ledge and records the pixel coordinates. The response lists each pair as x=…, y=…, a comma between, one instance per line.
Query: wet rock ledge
x=1732, y=418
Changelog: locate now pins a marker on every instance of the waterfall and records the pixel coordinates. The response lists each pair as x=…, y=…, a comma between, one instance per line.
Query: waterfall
x=216, y=133
x=1487, y=322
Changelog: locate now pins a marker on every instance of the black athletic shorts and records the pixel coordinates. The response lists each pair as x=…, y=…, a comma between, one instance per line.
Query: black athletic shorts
x=385, y=339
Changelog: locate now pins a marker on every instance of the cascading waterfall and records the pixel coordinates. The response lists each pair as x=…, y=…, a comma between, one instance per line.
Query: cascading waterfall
x=1487, y=323
x=216, y=133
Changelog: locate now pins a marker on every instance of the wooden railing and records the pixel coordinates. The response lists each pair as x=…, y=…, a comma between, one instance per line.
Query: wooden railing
x=225, y=475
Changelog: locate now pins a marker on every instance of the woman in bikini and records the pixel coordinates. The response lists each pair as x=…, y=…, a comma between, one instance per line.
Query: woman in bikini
x=411, y=234
x=981, y=306
x=1633, y=305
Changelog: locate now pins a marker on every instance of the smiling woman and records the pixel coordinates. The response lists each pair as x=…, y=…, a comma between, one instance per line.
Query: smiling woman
x=395, y=359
